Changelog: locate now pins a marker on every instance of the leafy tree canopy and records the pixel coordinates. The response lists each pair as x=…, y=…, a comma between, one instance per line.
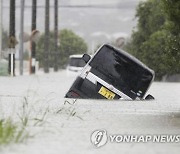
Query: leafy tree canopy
x=156, y=40
x=69, y=43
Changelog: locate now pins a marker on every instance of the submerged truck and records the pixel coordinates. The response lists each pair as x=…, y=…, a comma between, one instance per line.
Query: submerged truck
x=112, y=73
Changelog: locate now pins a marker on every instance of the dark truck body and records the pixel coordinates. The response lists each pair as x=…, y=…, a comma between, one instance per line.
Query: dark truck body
x=112, y=74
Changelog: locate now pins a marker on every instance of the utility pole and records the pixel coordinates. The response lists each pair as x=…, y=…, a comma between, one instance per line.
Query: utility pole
x=33, y=44
x=12, y=39
x=46, y=41
x=55, y=35
x=21, y=49
x=1, y=16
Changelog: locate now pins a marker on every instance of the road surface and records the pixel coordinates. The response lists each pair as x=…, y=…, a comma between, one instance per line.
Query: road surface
x=68, y=124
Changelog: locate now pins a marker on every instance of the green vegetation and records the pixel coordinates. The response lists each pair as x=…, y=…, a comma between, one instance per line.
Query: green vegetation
x=11, y=132
x=3, y=67
x=70, y=43
x=17, y=132
x=156, y=41
x=4, y=39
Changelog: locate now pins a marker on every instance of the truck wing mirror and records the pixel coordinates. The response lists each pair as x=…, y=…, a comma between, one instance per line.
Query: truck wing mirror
x=86, y=57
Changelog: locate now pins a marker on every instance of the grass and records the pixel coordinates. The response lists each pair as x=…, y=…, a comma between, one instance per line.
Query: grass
x=39, y=121
x=11, y=132
x=69, y=108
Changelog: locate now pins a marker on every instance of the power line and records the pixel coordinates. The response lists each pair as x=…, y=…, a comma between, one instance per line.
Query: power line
x=82, y=6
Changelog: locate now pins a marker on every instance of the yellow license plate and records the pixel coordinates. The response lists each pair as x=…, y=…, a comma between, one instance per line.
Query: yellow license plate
x=106, y=93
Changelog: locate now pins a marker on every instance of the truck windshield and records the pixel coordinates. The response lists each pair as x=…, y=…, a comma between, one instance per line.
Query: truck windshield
x=122, y=71
x=77, y=62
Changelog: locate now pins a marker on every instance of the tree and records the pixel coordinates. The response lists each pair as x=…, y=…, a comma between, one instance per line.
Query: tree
x=150, y=19
x=155, y=56
x=154, y=42
x=40, y=48
x=70, y=43
x=172, y=11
